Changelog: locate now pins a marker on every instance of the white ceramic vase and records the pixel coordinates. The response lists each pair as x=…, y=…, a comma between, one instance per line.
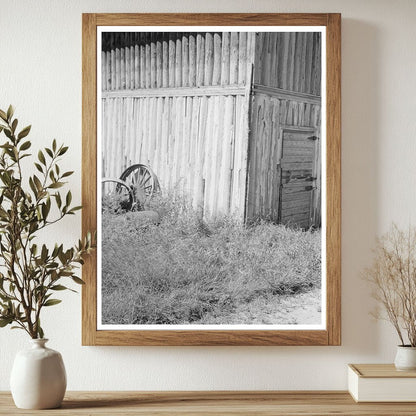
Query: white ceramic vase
x=38, y=378
x=405, y=358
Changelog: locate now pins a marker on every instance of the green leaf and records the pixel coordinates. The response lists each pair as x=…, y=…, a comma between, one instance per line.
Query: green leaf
x=58, y=199
x=76, y=279
x=49, y=151
x=8, y=133
x=44, y=253
x=14, y=125
x=63, y=150
x=59, y=287
x=25, y=145
x=24, y=133
x=45, y=211
x=54, y=145
x=3, y=116
x=51, y=302
x=10, y=112
x=67, y=174
x=5, y=321
x=39, y=167
x=41, y=157
x=56, y=185
x=68, y=198
x=77, y=208
x=40, y=332
x=37, y=182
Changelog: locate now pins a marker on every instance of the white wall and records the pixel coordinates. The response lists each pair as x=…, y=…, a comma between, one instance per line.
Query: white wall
x=40, y=73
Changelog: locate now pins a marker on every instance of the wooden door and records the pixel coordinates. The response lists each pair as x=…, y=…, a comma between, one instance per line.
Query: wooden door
x=299, y=174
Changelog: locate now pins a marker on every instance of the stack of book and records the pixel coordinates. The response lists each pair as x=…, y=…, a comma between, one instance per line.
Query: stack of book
x=381, y=383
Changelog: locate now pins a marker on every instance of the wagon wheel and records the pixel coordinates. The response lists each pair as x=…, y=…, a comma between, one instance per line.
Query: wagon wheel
x=143, y=181
x=116, y=196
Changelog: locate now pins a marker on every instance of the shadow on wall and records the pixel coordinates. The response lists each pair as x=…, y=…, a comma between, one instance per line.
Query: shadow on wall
x=360, y=180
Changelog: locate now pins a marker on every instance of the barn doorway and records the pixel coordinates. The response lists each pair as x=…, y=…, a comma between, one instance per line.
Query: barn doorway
x=299, y=177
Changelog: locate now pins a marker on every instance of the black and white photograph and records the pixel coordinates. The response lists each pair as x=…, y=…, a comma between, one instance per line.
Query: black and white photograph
x=210, y=164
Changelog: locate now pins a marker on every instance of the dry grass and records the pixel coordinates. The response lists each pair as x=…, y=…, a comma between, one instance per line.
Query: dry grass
x=185, y=270
x=393, y=276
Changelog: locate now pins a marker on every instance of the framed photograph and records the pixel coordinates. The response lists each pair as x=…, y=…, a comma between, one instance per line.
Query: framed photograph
x=211, y=172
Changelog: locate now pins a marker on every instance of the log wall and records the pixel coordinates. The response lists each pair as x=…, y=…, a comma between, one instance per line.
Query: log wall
x=286, y=94
x=161, y=60
x=289, y=60
x=179, y=103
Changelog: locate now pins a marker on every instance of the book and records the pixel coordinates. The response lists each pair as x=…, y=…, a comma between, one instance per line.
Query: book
x=381, y=383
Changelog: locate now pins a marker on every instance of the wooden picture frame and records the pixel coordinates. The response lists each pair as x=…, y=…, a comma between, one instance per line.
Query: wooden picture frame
x=331, y=335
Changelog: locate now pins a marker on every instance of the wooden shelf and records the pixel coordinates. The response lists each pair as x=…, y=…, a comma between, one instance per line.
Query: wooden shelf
x=212, y=403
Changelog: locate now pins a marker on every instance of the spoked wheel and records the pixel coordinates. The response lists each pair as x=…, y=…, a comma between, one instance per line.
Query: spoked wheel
x=116, y=196
x=142, y=181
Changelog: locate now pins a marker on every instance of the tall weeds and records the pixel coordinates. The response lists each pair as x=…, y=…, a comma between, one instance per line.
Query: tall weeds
x=186, y=270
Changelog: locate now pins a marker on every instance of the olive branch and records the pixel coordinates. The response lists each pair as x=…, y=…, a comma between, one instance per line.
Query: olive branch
x=31, y=273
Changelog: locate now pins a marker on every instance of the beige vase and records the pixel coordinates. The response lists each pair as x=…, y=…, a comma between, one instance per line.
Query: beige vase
x=38, y=378
x=405, y=358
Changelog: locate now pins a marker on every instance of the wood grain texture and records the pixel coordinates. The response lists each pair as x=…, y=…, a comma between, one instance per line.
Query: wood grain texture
x=89, y=172
x=380, y=371
x=90, y=335
x=333, y=177
x=247, y=403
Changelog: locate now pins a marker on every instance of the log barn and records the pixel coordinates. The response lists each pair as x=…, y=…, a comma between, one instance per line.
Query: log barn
x=231, y=119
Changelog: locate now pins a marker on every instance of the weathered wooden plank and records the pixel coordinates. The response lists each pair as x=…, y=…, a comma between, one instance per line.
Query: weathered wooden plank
x=178, y=92
x=200, y=59
x=234, y=58
x=148, y=61
x=242, y=58
x=216, y=73
x=185, y=60
x=172, y=47
x=192, y=60
x=225, y=59
x=178, y=61
x=209, y=58
x=159, y=62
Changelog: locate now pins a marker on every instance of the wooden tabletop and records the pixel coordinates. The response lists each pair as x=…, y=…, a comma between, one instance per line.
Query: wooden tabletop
x=212, y=403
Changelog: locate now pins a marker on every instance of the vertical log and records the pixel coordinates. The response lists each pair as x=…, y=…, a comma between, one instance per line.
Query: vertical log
x=159, y=70
x=122, y=64
x=234, y=58
x=165, y=61
x=132, y=61
x=142, y=60
x=200, y=58
x=216, y=72
x=185, y=60
x=302, y=82
x=136, y=62
x=277, y=60
x=298, y=61
x=127, y=60
x=152, y=60
x=285, y=60
x=209, y=61
x=309, y=62
x=118, y=75
x=242, y=58
x=178, y=61
x=148, y=61
x=171, y=60
x=192, y=60
x=291, y=61
x=225, y=61
x=259, y=62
